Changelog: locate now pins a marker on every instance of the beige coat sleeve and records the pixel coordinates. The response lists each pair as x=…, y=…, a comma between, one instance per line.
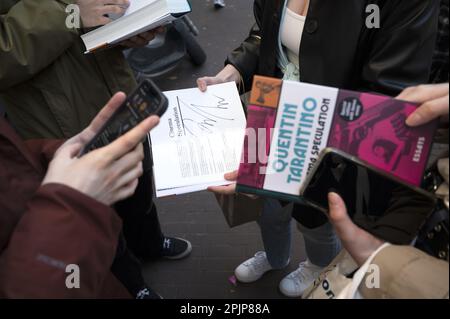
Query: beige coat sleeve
x=408, y=273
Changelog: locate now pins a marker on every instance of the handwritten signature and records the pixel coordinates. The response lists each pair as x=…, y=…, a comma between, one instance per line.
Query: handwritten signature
x=207, y=119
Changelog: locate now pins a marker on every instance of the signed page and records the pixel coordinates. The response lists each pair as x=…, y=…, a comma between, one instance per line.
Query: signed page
x=199, y=139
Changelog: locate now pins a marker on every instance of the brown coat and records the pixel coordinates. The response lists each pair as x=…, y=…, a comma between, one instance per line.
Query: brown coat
x=45, y=228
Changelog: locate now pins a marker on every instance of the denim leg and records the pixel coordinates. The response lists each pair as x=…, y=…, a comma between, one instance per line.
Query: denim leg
x=322, y=244
x=275, y=224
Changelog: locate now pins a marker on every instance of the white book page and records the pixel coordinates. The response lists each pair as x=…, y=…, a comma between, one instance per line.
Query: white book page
x=135, y=5
x=175, y=6
x=184, y=190
x=199, y=139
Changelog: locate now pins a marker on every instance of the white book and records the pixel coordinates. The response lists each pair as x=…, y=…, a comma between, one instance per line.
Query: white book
x=198, y=140
x=141, y=16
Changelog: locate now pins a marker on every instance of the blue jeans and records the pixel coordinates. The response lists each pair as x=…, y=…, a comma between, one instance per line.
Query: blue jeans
x=321, y=243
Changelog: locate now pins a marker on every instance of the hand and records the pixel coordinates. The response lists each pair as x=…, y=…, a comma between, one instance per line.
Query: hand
x=102, y=117
x=141, y=40
x=359, y=243
x=94, y=12
x=433, y=100
x=228, y=74
x=229, y=189
x=109, y=174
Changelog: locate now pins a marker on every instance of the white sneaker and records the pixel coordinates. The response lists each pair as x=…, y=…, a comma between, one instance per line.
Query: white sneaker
x=295, y=284
x=219, y=4
x=253, y=269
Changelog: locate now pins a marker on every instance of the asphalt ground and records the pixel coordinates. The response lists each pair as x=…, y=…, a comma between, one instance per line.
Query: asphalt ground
x=217, y=249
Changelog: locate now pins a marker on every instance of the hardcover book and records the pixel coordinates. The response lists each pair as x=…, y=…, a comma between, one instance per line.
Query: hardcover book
x=290, y=123
x=141, y=16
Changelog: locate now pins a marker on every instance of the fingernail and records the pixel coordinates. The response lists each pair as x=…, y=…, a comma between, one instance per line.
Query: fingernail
x=333, y=199
x=414, y=120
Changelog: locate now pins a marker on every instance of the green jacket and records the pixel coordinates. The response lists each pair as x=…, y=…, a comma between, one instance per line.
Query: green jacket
x=49, y=87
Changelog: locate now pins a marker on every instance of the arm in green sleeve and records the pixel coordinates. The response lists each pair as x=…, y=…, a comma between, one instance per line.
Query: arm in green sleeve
x=32, y=35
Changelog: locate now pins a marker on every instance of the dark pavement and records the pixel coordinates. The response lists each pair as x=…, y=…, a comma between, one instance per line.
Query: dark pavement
x=197, y=217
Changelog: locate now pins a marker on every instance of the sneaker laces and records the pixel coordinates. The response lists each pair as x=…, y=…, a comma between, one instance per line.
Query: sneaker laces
x=304, y=273
x=143, y=293
x=258, y=262
x=167, y=243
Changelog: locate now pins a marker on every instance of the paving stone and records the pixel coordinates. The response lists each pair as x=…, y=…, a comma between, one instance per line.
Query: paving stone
x=197, y=217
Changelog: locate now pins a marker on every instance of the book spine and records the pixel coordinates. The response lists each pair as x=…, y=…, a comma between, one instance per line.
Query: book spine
x=261, y=117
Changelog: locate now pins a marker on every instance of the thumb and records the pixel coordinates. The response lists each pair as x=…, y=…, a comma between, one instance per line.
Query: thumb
x=359, y=243
x=232, y=177
x=339, y=218
x=204, y=82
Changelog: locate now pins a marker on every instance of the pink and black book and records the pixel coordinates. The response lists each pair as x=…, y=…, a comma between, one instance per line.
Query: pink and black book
x=290, y=123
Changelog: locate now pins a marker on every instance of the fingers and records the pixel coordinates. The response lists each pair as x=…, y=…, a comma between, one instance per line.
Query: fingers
x=69, y=150
x=232, y=177
x=160, y=29
x=359, y=243
x=102, y=20
x=127, y=191
x=142, y=39
x=423, y=93
x=203, y=83
x=429, y=111
x=131, y=176
x=338, y=213
x=129, y=161
x=129, y=141
x=136, y=41
x=112, y=9
x=148, y=36
x=229, y=189
x=105, y=114
x=122, y=3
x=223, y=190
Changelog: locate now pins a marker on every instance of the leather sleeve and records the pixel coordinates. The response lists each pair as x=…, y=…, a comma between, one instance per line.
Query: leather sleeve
x=400, y=53
x=245, y=58
x=60, y=227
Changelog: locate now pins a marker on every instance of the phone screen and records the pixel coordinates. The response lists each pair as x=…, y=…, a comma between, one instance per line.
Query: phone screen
x=382, y=206
x=141, y=104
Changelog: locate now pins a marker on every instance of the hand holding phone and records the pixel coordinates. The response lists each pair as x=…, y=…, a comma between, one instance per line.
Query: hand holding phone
x=145, y=101
x=377, y=202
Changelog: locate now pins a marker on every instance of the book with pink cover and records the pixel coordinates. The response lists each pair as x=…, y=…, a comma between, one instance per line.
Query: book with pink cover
x=290, y=123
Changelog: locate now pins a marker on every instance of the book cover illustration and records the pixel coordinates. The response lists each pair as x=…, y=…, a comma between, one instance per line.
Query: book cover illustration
x=373, y=128
x=260, y=122
x=290, y=123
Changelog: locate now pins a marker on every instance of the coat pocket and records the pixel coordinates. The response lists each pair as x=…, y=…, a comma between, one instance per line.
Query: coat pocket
x=63, y=113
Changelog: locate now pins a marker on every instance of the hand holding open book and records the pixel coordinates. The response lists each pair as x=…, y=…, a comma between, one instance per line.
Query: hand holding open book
x=140, y=17
x=96, y=13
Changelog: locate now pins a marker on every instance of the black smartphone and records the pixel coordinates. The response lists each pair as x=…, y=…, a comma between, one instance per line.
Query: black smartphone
x=145, y=101
x=376, y=201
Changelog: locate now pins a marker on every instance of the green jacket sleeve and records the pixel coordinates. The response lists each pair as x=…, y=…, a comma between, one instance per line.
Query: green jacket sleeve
x=32, y=35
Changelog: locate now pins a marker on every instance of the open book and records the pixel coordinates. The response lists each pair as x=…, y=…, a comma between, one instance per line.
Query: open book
x=141, y=16
x=198, y=140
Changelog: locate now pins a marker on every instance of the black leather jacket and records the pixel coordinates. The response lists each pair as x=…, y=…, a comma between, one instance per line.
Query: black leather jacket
x=337, y=48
